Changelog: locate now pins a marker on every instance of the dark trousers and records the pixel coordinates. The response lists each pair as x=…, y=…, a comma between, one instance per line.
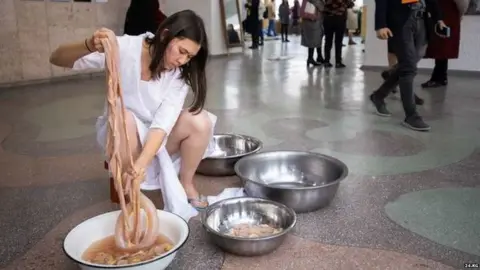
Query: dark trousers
x=334, y=25
x=410, y=46
x=255, y=31
x=284, y=31
x=440, y=70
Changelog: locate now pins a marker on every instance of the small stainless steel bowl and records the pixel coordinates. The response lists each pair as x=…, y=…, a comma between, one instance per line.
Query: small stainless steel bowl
x=221, y=216
x=229, y=148
x=303, y=181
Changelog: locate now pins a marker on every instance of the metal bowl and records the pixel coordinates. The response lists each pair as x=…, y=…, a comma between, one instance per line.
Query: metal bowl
x=229, y=148
x=303, y=181
x=221, y=216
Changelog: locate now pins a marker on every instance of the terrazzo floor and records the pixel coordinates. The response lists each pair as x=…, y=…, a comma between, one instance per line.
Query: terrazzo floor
x=411, y=200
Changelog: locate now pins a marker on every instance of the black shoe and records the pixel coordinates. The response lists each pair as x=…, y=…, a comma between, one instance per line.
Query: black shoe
x=253, y=47
x=321, y=60
x=286, y=40
x=419, y=101
x=340, y=65
x=327, y=64
x=380, y=107
x=312, y=62
x=434, y=84
x=416, y=123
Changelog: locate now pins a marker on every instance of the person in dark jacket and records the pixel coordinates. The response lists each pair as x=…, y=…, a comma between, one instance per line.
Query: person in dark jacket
x=334, y=25
x=143, y=16
x=404, y=21
x=442, y=49
x=295, y=17
x=284, y=14
x=253, y=22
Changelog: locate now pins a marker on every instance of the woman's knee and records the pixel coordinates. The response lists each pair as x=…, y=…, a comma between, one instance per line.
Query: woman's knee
x=196, y=123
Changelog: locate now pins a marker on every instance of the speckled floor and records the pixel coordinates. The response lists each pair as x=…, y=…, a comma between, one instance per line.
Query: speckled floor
x=410, y=202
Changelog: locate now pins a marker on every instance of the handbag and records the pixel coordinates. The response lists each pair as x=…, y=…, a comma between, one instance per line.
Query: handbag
x=308, y=11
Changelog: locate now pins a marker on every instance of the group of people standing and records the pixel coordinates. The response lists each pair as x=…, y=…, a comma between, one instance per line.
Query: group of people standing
x=324, y=17
x=318, y=18
x=257, y=11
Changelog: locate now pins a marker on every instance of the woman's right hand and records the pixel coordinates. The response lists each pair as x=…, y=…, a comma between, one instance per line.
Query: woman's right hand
x=95, y=42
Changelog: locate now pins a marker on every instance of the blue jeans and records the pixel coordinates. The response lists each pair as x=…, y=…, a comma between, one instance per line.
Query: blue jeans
x=271, y=29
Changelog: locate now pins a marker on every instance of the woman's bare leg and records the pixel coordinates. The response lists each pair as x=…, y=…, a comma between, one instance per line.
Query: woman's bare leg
x=350, y=38
x=190, y=137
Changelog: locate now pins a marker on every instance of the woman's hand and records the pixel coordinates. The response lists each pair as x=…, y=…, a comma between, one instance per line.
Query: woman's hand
x=129, y=177
x=95, y=42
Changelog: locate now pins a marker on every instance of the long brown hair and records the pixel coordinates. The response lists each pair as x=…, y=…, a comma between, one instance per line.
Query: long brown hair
x=183, y=24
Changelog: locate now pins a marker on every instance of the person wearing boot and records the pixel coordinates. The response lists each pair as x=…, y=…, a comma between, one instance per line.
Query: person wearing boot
x=312, y=30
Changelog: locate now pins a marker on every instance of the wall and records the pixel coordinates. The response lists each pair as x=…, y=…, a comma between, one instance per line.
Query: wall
x=469, y=59
x=209, y=11
x=30, y=30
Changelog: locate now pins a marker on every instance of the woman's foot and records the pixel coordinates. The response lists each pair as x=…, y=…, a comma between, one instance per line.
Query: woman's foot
x=197, y=200
x=199, y=203
x=312, y=62
x=320, y=60
x=434, y=84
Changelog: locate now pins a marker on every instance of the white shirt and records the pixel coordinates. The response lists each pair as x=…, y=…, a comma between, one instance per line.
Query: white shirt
x=157, y=103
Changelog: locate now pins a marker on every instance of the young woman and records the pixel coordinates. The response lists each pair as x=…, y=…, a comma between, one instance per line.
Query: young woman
x=156, y=72
x=284, y=14
x=312, y=31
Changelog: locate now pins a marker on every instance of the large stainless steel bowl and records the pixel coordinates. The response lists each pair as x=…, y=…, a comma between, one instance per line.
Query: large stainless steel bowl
x=303, y=181
x=229, y=148
x=221, y=216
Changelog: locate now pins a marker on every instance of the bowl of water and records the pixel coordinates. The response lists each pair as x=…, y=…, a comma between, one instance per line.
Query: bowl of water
x=95, y=235
x=303, y=181
x=229, y=148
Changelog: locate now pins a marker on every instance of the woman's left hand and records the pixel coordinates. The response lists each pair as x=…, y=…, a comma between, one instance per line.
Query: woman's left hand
x=99, y=35
x=129, y=178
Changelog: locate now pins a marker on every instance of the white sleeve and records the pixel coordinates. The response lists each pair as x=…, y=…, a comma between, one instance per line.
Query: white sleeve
x=95, y=60
x=167, y=114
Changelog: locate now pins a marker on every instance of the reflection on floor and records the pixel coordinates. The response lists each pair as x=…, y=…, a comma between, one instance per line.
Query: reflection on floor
x=410, y=201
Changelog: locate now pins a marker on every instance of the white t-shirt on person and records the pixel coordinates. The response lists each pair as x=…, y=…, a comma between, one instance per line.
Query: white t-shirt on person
x=156, y=103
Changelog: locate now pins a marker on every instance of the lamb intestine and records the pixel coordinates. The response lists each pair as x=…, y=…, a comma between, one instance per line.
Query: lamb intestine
x=130, y=236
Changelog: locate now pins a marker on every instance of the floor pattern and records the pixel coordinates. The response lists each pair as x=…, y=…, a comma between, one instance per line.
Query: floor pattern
x=410, y=201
